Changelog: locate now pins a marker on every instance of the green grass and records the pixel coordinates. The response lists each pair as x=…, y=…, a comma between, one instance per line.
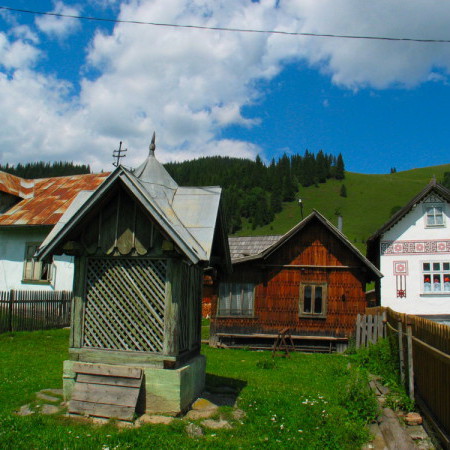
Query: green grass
x=205, y=328
x=381, y=359
x=369, y=201
x=307, y=401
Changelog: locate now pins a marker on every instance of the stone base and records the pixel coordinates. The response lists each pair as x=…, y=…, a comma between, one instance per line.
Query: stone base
x=168, y=391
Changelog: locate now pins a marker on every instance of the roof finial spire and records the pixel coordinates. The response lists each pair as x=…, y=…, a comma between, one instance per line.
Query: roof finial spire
x=152, y=145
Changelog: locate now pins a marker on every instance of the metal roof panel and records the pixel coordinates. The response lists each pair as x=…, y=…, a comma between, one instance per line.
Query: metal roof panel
x=51, y=198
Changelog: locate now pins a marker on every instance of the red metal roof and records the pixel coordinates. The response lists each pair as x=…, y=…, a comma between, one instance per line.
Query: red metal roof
x=44, y=200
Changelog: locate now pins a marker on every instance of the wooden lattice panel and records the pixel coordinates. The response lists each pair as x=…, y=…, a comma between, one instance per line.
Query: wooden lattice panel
x=125, y=304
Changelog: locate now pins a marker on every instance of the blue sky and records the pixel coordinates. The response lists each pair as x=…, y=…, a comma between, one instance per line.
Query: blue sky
x=72, y=89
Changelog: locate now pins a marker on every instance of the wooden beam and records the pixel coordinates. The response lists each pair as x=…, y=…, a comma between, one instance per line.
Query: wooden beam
x=112, y=371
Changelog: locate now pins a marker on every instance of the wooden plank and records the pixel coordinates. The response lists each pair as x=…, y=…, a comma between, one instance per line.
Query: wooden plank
x=358, y=331
x=100, y=410
x=103, y=369
x=400, y=352
x=274, y=336
x=107, y=395
x=410, y=362
x=111, y=381
x=394, y=435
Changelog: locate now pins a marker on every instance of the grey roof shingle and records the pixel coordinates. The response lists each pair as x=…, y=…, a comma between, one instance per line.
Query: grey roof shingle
x=243, y=246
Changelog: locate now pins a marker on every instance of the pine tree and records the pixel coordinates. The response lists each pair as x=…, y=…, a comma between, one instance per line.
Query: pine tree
x=340, y=169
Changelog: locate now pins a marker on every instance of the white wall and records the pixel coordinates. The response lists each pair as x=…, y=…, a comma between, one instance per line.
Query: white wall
x=12, y=253
x=411, y=243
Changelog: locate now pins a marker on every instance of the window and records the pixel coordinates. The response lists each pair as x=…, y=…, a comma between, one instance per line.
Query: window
x=313, y=300
x=436, y=276
x=435, y=216
x=34, y=270
x=236, y=299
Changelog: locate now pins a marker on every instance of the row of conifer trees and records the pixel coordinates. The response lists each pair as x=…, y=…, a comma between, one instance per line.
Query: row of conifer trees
x=252, y=190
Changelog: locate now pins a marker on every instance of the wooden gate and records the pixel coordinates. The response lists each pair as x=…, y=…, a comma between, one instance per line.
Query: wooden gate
x=125, y=304
x=370, y=329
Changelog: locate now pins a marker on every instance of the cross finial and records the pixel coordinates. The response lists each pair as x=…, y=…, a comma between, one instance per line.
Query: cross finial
x=119, y=154
x=152, y=147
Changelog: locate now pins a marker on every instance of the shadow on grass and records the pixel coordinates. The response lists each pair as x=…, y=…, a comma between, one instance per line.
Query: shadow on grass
x=223, y=391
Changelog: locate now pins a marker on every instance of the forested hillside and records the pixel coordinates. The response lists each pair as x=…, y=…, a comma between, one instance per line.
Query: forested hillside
x=45, y=169
x=254, y=192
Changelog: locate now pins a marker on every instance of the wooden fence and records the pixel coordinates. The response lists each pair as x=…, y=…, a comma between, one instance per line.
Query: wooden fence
x=424, y=359
x=34, y=310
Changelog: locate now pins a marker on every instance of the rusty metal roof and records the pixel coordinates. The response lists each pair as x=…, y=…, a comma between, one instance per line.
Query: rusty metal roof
x=43, y=201
x=17, y=186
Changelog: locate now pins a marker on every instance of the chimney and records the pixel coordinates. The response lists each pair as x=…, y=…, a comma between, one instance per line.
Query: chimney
x=340, y=223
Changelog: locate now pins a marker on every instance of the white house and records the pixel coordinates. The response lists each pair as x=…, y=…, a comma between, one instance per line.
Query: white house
x=412, y=250
x=28, y=211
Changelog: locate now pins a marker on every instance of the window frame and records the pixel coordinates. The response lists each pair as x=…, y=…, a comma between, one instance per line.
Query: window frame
x=228, y=299
x=312, y=314
x=434, y=207
x=35, y=265
x=433, y=271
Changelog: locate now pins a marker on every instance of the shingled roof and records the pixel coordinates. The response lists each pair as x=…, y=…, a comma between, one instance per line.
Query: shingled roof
x=43, y=201
x=243, y=246
x=433, y=186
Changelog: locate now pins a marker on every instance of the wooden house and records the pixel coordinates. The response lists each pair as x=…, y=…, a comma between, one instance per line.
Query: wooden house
x=141, y=243
x=311, y=280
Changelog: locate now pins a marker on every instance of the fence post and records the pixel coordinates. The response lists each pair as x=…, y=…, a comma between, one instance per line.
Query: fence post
x=410, y=361
x=358, y=330
x=400, y=352
x=10, y=310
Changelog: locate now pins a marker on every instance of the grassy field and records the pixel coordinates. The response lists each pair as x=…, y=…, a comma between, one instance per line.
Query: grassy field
x=310, y=401
x=369, y=201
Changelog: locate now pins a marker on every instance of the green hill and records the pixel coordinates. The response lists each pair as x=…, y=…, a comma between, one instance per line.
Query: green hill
x=368, y=205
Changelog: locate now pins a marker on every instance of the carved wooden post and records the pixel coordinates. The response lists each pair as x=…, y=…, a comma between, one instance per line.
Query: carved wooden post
x=77, y=302
x=174, y=283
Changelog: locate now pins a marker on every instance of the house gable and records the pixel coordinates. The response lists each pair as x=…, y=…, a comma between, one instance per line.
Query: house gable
x=413, y=251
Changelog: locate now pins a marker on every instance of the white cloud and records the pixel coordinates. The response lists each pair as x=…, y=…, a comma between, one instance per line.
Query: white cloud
x=59, y=27
x=17, y=54
x=379, y=64
x=189, y=85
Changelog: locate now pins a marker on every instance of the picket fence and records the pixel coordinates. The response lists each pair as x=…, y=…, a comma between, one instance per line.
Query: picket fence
x=424, y=361
x=34, y=310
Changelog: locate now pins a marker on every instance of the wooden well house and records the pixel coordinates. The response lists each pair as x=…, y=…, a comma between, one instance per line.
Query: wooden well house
x=310, y=281
x=141, y=244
